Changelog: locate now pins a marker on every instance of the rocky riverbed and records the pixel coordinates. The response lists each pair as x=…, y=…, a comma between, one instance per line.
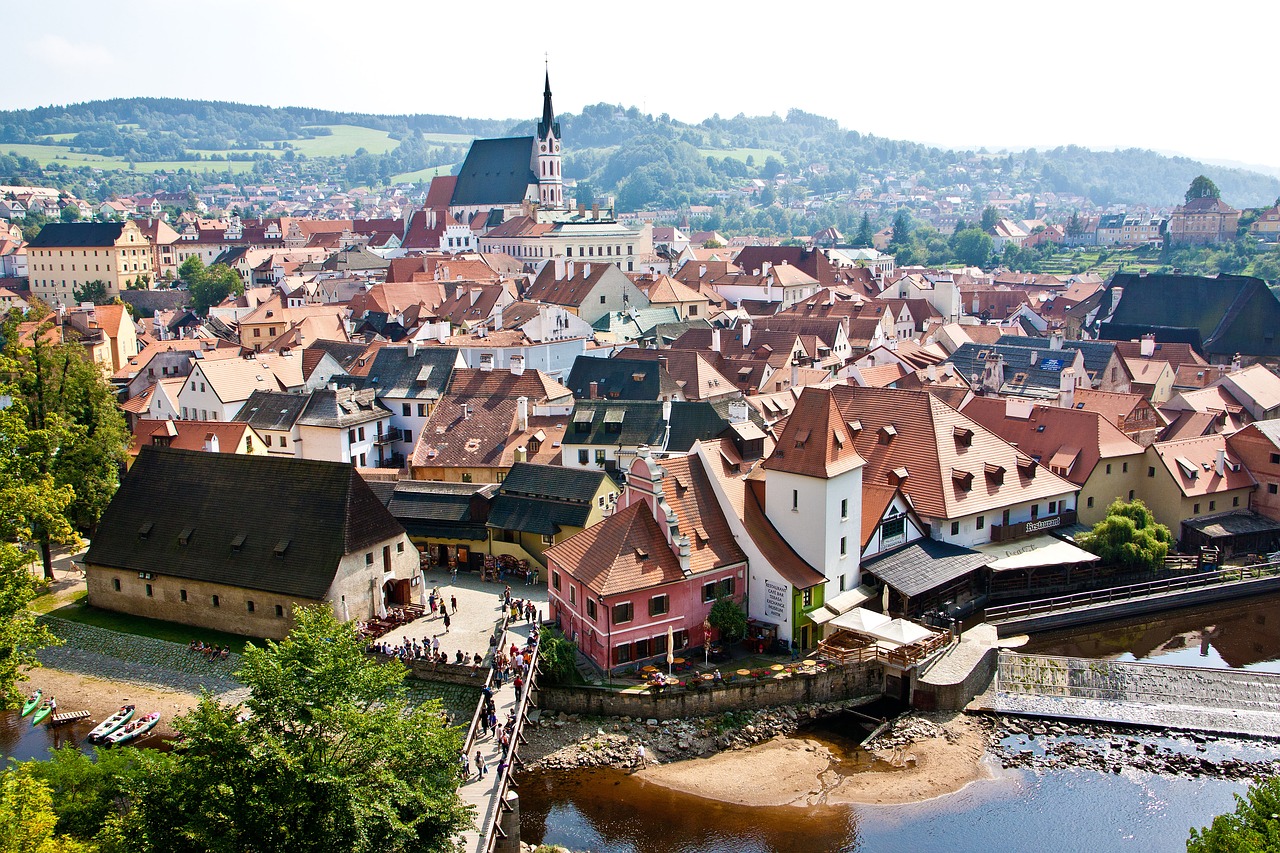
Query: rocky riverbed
x=1043, y=745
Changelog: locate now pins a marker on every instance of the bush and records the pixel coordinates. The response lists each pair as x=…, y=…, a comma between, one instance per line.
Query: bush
x=558, y=658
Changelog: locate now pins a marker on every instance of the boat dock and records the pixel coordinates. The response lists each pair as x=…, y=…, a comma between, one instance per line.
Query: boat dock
x=69, y=717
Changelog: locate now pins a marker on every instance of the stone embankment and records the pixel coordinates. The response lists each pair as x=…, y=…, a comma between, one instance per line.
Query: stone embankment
x=567, y=741
x=1044, y=746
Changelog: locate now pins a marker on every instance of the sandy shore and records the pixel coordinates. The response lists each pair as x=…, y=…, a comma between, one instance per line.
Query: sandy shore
x=102, y=698
x=802, y=771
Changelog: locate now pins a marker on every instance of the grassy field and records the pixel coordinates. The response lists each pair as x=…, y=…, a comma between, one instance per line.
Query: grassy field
x=346, y=139
x=78, y=611
x=759, y=154
x=62, y=155
x=423, y=174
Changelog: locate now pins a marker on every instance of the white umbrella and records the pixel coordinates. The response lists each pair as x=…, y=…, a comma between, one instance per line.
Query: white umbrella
x=671, y=653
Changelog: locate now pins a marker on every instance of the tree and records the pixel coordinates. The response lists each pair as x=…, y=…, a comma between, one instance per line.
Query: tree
x=331, y=757
x=209, y=286
x=1202, y=187
x=86, y=791
x=728, y=617
x=990, y=216
x=1129, y=536
x=866, y=234
x=1252, y=828
x=70, y=213
x=94, y=291
x=972, y=247
x=27, y=819
x=901, y=230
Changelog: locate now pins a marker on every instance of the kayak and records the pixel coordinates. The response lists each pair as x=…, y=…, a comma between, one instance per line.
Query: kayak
x=30, y=704
x=136, y=729
x=110, y=724
x=43, y=711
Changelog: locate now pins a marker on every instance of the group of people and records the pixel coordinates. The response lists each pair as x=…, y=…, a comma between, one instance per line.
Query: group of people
x=426, y=650
x=520, y=609
x=211, y=651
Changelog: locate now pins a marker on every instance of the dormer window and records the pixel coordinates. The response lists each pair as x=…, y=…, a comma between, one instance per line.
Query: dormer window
x=994, y=473
x=963, y=436
x=962, y=479
x=887, y=433
x=184, y=538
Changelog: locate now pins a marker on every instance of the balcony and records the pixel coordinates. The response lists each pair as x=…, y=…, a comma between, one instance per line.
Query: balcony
x=391, y=436
x=1005, y=532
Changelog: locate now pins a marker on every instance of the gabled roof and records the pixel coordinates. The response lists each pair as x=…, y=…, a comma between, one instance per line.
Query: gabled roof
x=78, y=235
x=1192, y=463
x=572, y=289
x=495, y=171
x=618, y=378
x=189, y=435
x=544, y=499
x=625, y=552
x=1097, y=354
x=318, y=512
x=689, y=372
x=816, y=442
x=424, y=376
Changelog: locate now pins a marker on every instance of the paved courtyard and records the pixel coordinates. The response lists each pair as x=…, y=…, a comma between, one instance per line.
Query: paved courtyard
x=479, y=610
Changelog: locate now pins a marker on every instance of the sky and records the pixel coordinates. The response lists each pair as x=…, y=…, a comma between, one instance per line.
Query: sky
x=1173, y=77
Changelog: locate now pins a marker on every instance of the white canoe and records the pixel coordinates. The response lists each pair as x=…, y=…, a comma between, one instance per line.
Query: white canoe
x=110, y=724
x=136, y=729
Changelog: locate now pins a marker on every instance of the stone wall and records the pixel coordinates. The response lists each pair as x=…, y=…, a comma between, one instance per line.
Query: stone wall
x=681, y=703
x=934, y=692
x=449, y=673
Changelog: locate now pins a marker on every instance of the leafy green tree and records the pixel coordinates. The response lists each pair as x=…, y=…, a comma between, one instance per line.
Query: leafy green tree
x=27, y=819
x=1202, y=187
x=557, y=658
x=728, y=617
x=86, y=791
x=990, y=216
x=331, y=757
x=94, y=291
x=972, y=247
x=1129, y=536
x=70, y=213
x=1254, y=826
x=209, y=286
x=901, y=231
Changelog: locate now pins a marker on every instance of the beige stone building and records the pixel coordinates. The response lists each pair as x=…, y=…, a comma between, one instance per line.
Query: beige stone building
x=66, y=256
x=264, y=535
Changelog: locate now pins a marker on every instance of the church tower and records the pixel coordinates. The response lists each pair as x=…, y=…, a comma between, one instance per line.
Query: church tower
x=547, y=143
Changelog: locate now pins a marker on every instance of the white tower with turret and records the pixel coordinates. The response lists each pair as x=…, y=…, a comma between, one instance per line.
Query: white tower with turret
x=547, y=155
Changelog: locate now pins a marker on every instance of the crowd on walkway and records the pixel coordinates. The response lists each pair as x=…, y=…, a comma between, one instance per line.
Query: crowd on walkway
x=509, y=662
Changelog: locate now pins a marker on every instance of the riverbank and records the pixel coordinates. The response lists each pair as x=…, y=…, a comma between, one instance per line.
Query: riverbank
x=102, y=697
x=724, y=758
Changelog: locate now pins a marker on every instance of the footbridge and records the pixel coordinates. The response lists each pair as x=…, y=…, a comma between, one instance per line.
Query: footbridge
x=1224, y=701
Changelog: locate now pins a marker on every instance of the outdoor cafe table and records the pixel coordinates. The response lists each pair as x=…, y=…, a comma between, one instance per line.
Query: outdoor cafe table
x=744, y=672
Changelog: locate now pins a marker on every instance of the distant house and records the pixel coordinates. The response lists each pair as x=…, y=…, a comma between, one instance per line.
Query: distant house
x=66, y=256
x=265, y=534
x=1202, y=221
x=539, y=506
x=586, y=288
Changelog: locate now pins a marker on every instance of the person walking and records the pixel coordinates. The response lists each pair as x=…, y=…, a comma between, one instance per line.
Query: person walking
x=446, y=623
x=453, y=604
x=463, y=767
x=480, y=767
x=641, y=758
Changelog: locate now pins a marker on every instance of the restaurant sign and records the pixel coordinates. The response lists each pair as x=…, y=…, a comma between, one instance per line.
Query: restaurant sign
x=775, y=601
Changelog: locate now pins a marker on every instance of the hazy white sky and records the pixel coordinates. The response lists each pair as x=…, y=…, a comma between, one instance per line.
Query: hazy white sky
x=1100, y=74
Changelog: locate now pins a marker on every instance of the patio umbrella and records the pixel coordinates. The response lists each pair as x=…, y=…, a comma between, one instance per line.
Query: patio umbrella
x=671, y=655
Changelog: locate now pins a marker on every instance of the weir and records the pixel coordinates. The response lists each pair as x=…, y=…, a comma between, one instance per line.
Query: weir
x=1222, y=701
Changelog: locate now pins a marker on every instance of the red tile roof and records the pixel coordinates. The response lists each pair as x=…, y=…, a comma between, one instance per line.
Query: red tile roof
x=625, y=552
x=816, y=442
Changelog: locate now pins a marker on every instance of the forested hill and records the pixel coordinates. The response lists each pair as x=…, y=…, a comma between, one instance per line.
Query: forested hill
x=647, y=161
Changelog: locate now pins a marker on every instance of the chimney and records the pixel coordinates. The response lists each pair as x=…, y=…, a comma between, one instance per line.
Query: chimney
x=663, y=366
x=522, y=414
x=586, y=271
x=442, y=331
x=559, y=268
x=1235, y=362
x=521, y=455
x=795, y=372
x=1067, y=388
x=211, y=444
x=466, y=411
x=932, y=372
x=1148, y=346
x=595, y=210
x=594, y=391
x=568, y=269
x=666, y=411
x=1219, y=466
x=682, y=550
x=702, y=270
x=411, y=348
x=1055, y=341
x=497, y=319
x=517, y=365
x=746, y=335
x=715, y=339
x=475, y=294
x=738, y=410
x=642, y=452
x=765, y=267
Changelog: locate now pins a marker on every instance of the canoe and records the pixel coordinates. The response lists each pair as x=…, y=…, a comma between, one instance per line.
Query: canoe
x=110, y=724
x=43, y=711
x=30, y=704
x=136, y=729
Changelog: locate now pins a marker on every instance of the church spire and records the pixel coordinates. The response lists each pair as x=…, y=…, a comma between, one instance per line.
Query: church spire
x=548, y=123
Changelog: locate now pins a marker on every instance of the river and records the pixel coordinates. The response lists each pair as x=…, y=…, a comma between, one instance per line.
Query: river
x=1062, y=811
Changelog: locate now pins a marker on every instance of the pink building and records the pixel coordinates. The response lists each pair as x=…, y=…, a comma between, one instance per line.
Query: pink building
x=660, y=561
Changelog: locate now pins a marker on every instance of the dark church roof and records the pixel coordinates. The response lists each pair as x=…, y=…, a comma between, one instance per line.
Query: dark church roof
x=496, y=171
x=256, y=522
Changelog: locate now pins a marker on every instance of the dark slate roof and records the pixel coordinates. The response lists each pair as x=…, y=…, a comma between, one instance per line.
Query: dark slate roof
x=66, y=234
x=924, y=565
x=343, y=352
x=355, y=259
x=617, y=379
x=322, y=510
x=1229, y=313
x=272, y=410
x=496, y=171
x=457, y=510
x=642, y=423
x=423, y=377
x=1045, y=377
x=1097, y=354
x=543, y=499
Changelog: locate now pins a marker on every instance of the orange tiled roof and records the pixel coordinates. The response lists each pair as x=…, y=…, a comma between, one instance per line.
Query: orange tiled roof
x=625, y=552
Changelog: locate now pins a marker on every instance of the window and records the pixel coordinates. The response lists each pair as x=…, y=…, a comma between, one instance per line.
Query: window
x=1235, y=501
x=182, y=595
x=623, y=612
x=659, y=605
x=708, y=592
x=1108, y=467
x=1131, y=494
x=1125, y=467
x=555, y=579
x=795, y=500
x=351, y=436
x=844, y=547
x=1272, y=489
x=600, y=457
x=548, y=540
x=466, y=477
x=362, y=436
x=422, y=410
x=1151, y=471
x=266, y=439
x=806, y=598
x=726, y=587
x=591, y=609
x=602, y=298
x=573, y=595
x=844, y=508
x=215, y=601
x=406, y=409
x=1275, y=458
x=248, y=605
x=622, y=653
x=368, y=559
x=279, y=610
x=1213, y=505
x=149, y=595
x=1196, y=509
x=115, y=582
x=1089, y=503
x=1053, y=507
x=955, y=528
x=583, y=457
x=980, y=523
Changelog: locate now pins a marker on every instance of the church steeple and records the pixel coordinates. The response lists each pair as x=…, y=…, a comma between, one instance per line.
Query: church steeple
x=548, y=123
